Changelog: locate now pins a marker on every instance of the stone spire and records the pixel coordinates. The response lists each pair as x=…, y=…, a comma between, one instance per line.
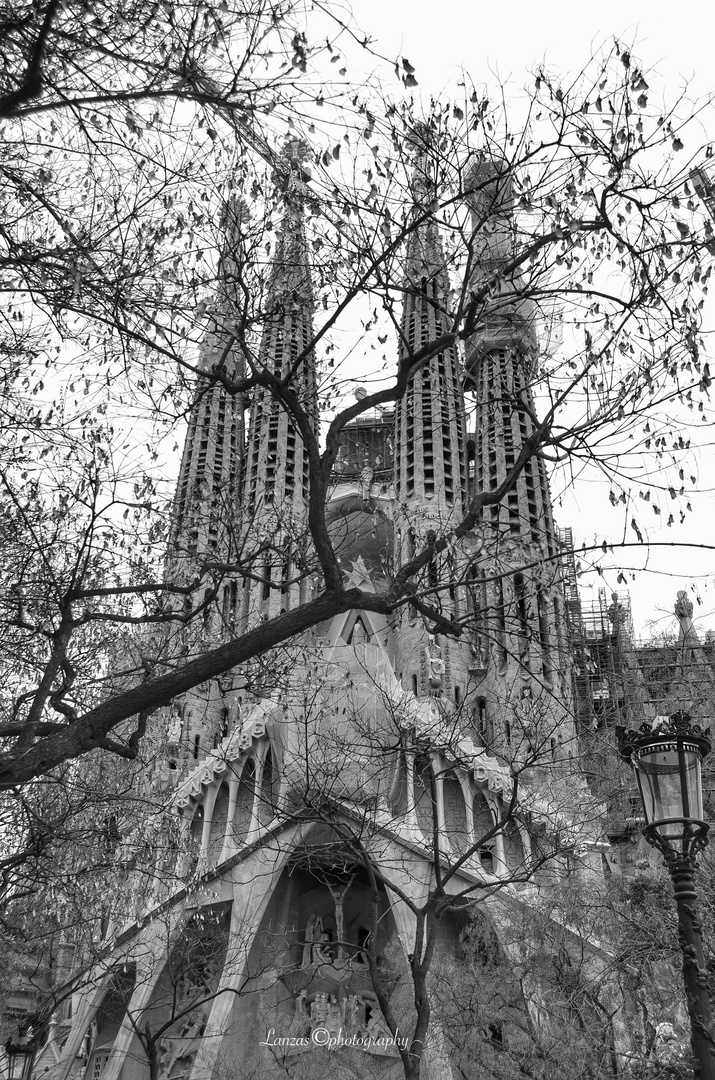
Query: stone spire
x=501, y=358
x=430, y=469
x=430, y=474
x=692, y=687
x=277, y=474
x=205, y=522
x=521, y=605
x=204, y=512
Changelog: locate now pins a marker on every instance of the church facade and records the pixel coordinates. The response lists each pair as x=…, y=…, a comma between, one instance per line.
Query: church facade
x=335, y=810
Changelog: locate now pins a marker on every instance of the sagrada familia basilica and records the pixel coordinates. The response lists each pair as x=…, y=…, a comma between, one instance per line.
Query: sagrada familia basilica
x=317, y=801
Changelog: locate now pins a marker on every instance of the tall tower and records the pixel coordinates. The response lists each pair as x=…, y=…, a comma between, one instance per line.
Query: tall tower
x=205, y=517
x=430, y=476
x=516, y=586
x=316, y=817
x=259, y=498
x=208, y=490
x=277, y=474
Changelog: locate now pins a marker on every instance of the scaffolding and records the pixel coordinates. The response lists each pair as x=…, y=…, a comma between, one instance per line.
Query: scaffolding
x=367, y=447
x=619, y=681
x=569, y=576
x=605, y=682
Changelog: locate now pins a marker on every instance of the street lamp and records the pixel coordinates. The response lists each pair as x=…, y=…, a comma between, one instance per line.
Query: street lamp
x=666, y=760
x=19, y=1061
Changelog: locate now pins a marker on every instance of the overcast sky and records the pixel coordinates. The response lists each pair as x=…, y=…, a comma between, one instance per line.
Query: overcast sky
x=440, y=37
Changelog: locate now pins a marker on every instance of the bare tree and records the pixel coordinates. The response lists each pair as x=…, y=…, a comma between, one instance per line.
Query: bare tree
x=71, y=60
x=578, y=214
x=541, y=999
x=591, y=179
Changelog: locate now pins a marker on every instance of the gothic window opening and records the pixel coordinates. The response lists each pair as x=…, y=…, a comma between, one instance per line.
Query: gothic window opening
x=513, y=511
x=359, y=634
x=496, y=1035
x=425, y=805
x=268, y=798
x=432, y=567
x=451, y=575
x=544, y=633
x=285, y=576
x=483, y=726
x=219, y=823
x=522, y=606
x=514, y=854
x=486, y=858
x=197, y=828
x=501, y=623
x=534, y=521
x=266, y=589
x=399, y=792
x=245, y=800
x=363, y=943
x=477, y=591
x=207, y=608
x=455, y=813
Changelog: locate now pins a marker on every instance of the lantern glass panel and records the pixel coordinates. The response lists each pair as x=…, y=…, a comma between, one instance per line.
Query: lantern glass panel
x=18, y=1064
x=669, y=779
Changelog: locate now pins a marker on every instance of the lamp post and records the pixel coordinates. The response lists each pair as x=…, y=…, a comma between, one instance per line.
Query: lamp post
x=19, y=1060
x=666, y=761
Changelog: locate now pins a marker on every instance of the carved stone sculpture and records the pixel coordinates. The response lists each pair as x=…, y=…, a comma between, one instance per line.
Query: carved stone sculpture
x=525, y=710
x=668, y=1050
x=334, y=1020
x=181, y=1048
x=301, y=1019
x=617, y=613
x=353, y=1014
x=319, y=1011
x=435, y=663
x=684, y=613
x=317, y=948
x=684, y=610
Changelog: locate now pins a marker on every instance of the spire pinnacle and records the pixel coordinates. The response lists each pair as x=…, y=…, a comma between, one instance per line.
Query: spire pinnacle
x=296, y=153
x=508, y=319
x=429, y=418
x=420, y=141
x=430, y=474
x=212, y=463
x=277, y=460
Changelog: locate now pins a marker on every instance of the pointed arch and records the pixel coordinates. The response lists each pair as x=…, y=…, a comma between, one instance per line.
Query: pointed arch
x=483, y=822
x=219, y=822
x=245, y=800
x=455, y=812
x=269, y=790
x=425, y=801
